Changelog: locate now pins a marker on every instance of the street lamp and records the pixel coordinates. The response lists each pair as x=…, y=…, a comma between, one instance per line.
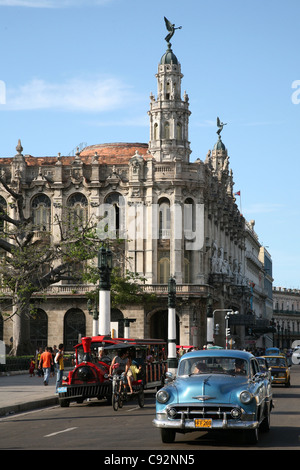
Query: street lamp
x=172, y=358
x=93, y=310
x=209, y=321
x=104, y=267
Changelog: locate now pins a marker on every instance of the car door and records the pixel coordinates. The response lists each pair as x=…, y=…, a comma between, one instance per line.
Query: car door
x=258, y=380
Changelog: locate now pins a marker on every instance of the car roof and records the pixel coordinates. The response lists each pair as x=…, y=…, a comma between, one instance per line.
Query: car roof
x=273, y=355
x=218, y=353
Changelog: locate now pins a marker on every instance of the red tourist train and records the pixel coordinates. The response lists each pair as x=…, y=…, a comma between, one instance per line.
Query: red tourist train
x=90, y=376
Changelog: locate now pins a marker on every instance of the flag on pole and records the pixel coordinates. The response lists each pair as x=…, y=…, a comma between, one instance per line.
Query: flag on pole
x=238, y=193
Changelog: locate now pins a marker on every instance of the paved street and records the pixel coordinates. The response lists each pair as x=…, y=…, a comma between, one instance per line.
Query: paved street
x=94, y=425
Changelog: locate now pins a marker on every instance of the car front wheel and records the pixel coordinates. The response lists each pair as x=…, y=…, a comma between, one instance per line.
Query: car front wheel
x=251, y=436
x=265, y=424
x=168, y=435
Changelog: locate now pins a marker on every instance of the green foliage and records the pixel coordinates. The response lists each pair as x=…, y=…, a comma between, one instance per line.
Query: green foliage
x=128, y=289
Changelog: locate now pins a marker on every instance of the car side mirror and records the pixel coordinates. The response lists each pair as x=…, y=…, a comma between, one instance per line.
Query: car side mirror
x=169, y=377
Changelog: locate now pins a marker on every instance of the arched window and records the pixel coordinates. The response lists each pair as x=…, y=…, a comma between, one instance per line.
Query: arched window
x=78, y=210
x=163, y=270
x=74, y=328
x=39, y=329
x=117, y=323
x=179, y=131
x=168, y=90
x=155, y=134
x=115, y=215
x=164, y=221
x=41, y=212
x=167, y=130
x=189, y=219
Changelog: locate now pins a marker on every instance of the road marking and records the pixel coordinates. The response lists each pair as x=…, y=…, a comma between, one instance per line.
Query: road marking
x=133, y=409
x=59, y=432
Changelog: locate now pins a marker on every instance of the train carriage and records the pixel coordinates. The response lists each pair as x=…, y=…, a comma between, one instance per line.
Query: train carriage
x=90, y=377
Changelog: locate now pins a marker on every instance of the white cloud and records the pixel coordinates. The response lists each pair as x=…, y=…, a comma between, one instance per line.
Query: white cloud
x=51, y=3
x=263, y=208
x=100, y=94
x=139, y=121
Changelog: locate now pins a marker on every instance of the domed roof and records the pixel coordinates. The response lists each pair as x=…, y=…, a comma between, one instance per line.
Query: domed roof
x=219, y=145
x=120, y=152
x=169, y=57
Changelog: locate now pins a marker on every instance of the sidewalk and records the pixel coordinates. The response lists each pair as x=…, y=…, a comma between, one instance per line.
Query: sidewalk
x=22, y=393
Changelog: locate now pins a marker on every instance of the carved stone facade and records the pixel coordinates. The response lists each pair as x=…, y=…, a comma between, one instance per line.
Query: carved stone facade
x=179, y=218
x=286, y=317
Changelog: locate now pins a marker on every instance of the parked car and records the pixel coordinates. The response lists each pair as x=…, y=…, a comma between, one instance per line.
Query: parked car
x=280, y=370
x=215, y=389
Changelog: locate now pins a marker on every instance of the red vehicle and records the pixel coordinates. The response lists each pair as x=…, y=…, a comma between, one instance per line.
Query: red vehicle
x=90, y=377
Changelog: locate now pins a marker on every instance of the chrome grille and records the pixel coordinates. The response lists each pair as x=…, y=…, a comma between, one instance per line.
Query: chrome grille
x=200, y=411
x=87, y=390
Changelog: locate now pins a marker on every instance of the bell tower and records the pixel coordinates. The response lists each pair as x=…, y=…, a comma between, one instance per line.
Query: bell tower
x=169, y=114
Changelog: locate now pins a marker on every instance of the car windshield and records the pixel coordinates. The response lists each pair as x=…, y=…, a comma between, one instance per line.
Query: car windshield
x=213, y=365
x=276, y=361
x=262, y=363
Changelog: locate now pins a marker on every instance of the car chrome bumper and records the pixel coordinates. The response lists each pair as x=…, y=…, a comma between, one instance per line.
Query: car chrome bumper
x=189, y=424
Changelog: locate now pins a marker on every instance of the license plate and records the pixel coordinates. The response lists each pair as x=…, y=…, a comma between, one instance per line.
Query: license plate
x=62, y=389
x=202, y=423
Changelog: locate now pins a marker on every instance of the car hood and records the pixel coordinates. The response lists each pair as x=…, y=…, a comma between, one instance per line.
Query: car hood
x=209, y=387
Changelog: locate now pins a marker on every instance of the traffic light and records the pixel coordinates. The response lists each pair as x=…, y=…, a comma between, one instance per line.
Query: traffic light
x=227, y=331
x=217, y=327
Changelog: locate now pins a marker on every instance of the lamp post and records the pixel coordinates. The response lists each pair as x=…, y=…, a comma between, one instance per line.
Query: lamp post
x=172, y=358
x=104, y=267
x=93, y=310
x=209, y=321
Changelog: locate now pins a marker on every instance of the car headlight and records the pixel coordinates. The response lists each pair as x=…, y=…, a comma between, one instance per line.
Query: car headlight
x=162, y=396
x=245, y=397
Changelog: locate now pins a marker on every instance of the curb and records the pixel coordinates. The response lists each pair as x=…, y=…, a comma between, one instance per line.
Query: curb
x=32, y=405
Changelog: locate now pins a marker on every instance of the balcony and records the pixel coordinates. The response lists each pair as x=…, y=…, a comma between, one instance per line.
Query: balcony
x=70, y=290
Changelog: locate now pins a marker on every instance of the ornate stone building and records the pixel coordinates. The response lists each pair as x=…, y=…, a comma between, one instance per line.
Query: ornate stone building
x=179, y=218
x=286, y=316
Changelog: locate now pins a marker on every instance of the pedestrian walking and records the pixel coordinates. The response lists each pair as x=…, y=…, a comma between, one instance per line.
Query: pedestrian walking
x=39, y=370
x=32, y=367
x=59, y=361
x=45, y=362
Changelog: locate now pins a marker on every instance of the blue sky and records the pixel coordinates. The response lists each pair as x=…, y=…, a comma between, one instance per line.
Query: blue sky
x=81, y=71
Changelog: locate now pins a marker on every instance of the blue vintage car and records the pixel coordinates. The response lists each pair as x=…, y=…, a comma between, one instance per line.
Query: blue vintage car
x=215, y=389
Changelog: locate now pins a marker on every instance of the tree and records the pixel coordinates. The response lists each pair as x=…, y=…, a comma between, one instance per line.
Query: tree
x=126, y=288
x=30, y=265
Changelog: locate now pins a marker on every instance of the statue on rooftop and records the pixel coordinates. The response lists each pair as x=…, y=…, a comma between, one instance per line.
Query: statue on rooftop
x=220, y=126
x=171, y=28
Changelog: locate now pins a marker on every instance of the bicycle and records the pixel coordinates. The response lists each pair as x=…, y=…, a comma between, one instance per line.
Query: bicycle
x=119, y=393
